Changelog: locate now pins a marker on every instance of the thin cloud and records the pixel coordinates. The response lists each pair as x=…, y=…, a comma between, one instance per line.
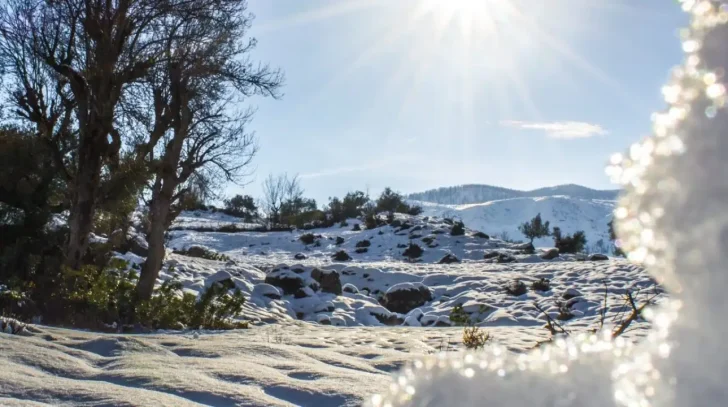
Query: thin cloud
x=560, y=130
x=335, y=171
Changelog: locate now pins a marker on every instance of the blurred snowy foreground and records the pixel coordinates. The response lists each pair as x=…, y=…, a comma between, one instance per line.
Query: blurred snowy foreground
x=323, y=332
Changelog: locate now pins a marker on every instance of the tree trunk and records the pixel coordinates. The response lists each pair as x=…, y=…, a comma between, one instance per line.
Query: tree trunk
x=83, y=207
x=159, y=209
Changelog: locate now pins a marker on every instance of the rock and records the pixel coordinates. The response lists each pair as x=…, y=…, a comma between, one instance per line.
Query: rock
x=597, y=257
x=341, y=255
x=137, y=245
x=570, y=293
x=505, y=258
x=550, y=254
x=449, y=259
x=389, y=320
x=267, y=290
x=300, y=256
x=350, y=288
x=491, y=255
x=288, y=281
x=516, y=288
x=304, y=292
x=196, y=251
x=220, y=276
x=361, y=250
x=526, y=248
x=481, y=235
x=325, y=307
x=404, y=297
x=328, y=279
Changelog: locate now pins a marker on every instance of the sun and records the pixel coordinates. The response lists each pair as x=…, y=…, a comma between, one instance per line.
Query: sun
x=474, y=17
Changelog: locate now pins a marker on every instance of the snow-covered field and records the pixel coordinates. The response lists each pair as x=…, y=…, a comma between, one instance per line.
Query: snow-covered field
x=323, y=333
x=569, y=213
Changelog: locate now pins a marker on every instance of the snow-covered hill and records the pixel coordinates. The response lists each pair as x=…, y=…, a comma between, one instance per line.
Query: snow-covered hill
x=503, y=216
x=474, y=193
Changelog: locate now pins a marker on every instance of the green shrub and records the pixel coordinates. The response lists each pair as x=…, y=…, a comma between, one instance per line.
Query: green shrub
x=458, y=229
x=569, y=243
x=541, y=285
x=104, y=298
x=171, y=308
x=307, y=238
x=413, y=252
x=363, y=243
x=458, y=316
x=475, y=338
x=202, y=253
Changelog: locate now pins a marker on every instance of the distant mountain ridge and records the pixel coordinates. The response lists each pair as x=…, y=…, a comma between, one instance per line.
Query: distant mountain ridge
x=478, y=193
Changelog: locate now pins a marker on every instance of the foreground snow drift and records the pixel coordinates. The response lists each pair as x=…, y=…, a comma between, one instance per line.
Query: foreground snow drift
x=276, y=365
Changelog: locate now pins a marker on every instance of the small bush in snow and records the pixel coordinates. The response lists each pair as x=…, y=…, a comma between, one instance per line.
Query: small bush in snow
x=541, y=285
x=413, y=252
x=202, y=253
x=474, y=338
x=569, y=243
x=356, y=227
x=428, y=240
x=458, y=316
x=343, y=224
x=339, y=240
x=458, y=229
x=481, y=235
x=214, y=309
x=307, y=238
x=361, y=250
x=516, y=288
x=363, y=243
x=341, y=255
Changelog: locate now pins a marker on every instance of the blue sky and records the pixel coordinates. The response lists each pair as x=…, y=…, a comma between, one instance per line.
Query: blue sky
x=418, y=94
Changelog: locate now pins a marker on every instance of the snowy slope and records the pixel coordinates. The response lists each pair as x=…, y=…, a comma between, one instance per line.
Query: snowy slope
x=471, y=194
x=570, y=214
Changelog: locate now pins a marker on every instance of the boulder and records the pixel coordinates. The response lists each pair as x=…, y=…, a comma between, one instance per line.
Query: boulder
x=288, y=281
x=550, y=254
x=526, y=248
x=328, y=279
x=490, y=255
x=449, y=259
x=570, y=293
x=267, y=290
x=481, y=235
x=300, y=256
x=404, y=297
x=505, y=258
x=350, y=288
x=196, y=251
x=597, y=257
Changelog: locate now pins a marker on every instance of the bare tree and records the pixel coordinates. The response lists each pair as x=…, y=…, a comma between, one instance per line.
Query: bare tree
x=196, y=137
x=278, y=191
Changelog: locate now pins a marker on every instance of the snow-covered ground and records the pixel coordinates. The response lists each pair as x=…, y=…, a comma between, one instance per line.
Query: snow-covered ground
x=323, y=333
x=505, y=215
